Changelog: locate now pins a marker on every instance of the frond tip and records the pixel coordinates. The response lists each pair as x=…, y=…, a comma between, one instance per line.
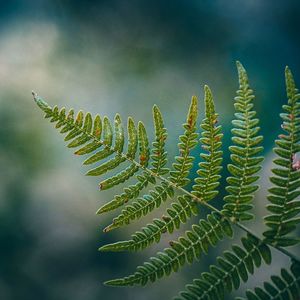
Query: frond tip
x=284, y=206
x=205, y=187
x=245, y=162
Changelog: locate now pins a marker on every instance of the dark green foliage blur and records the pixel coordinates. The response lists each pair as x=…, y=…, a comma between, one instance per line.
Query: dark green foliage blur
x=107, y=57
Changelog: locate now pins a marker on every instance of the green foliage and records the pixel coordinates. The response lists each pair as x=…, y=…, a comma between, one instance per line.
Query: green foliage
x=245, y=162
x=205, y=188
x=285, y=287
x=284, y=206
x=206, y=183
x=196, y=241
x=233, y=268
x=103, y=145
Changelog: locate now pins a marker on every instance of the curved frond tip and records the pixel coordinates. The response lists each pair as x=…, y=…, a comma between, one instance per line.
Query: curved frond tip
x=244, y=154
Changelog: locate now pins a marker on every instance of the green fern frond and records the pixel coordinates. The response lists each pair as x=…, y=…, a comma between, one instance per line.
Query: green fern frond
x=159, y=160
x=82, y=131
x=142, y=206
x=284, y=287
x=188, y=141
x=232, y=269
x=209, y=171
x=178, y=214
x=205, y=188
x=159, y=155
x=284, y=207
x=95, y=134
x=245, y=162
x=107, y=147
x=178, y=176
x=184, y=250
x=124, y=175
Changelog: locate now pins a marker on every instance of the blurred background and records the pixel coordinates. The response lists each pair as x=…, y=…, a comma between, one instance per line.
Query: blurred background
x=119, y=56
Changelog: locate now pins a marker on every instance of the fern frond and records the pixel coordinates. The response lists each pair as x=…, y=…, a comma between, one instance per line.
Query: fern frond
x=100, y=155
x=205, y=188
x=178, y=214
x=232, y=268
x=184, y=250
x=159, y=155
x=142, y=206
x=188, y=141
x=209, y=171
x=284, y=207
x=159, y=160
x=284, y=287
x=95, y=134
x=178, y=176
x=124, y=175
x=245, y=162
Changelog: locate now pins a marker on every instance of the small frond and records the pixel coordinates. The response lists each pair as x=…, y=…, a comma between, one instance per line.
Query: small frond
x=196, y=241
x=142, y=206
x=158, y=162
x=96, y=137
x=205, y=188
x=284, y=206
x=245, y=162
x=284, y=287
x=102, y=154
x=233, y=268
x=159, y=155
x=178, y=214
x=209, y=170
x=178, y=176
x=188, y=141
x=124, y=175
x=129, y=193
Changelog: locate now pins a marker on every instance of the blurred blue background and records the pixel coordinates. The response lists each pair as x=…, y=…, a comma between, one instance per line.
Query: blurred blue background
x=118, y=56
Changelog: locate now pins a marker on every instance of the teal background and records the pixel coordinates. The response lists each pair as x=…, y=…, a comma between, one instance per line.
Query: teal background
x=108, y=57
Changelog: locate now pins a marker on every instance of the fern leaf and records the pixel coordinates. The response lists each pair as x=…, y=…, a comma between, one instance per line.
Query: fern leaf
x=245, y=162
x=285, y=287
x=92, y=135
x=82, y=129
x=179, y=212
x=284, y=207
x=124, y=175
x=209, y=171
x=129, y=193
x=232, y=269
x=159, y=155
x=184, y=250
x=142, y=206
x=158, y=163
x=178, y=176
x=184, y=162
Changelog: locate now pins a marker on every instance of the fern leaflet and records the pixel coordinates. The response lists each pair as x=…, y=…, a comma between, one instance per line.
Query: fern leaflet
x=184, y=250
x=245, y=162
x=284, y=206
x=205, y=187
x=233, y=268
x=178, y=176
x=284, y=287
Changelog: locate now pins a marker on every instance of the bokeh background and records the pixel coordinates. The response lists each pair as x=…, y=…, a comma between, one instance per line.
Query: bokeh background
x=118, y=56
